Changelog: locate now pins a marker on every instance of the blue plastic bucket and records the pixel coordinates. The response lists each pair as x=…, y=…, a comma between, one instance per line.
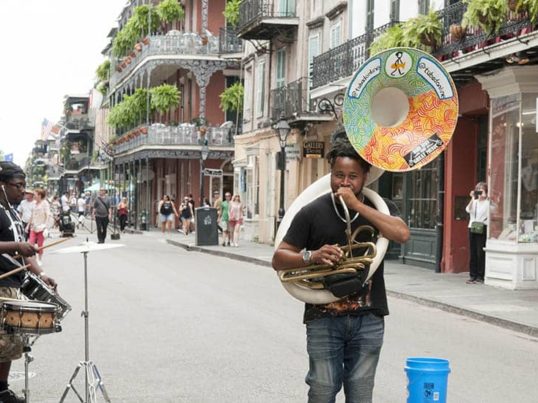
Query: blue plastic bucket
x=428, y=379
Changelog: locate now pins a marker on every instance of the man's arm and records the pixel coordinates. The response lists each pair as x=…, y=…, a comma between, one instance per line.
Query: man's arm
x=288, y=256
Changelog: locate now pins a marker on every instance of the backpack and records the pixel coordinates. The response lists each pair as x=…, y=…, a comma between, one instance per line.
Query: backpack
x=166, y=208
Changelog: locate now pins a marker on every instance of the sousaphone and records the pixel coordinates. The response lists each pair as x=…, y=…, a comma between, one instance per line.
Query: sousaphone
x=400, y=111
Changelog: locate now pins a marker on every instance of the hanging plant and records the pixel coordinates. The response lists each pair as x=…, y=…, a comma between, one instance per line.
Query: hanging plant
x=103, y=71
x=102, y=87
x=231, y=98
x=488, y=15
x=424, y=31
x=231, y=12
x=140, y=20
x=164, y=97
x=170, y=11
x=391, y=38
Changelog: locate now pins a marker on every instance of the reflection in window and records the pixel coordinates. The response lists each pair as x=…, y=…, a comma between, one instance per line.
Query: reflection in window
x=423, y=196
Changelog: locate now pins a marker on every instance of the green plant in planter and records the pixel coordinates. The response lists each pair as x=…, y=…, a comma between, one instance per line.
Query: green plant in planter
x=424, y=31
x=531, y=6
x=488, y=15
x=231, y=98
x=164, y=97
x=231, y=12
x=103, y=71
x=125, y=40
x=140, y=20
x=391, y=38
x=170, y=11
x=129, y=112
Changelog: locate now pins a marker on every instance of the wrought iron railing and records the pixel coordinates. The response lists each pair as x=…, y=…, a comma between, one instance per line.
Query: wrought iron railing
x=173, y=43
x=252, y=11
x=290, y=99
x=229, y=42
x=342, y=61
x=162, y=135
x=78, y=122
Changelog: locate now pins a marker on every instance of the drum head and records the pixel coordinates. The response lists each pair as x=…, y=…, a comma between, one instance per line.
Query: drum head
x=29, y=306
x=400, y=109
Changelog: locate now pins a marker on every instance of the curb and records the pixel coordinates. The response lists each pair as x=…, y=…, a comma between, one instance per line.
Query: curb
x=503, y=323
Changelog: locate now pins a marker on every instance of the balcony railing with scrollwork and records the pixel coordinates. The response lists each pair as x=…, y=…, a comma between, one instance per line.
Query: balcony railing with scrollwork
x=229, y=42
x=162, y=135
x=290, y=99
x=252, y=11
x=174, y=43
x=342, y=61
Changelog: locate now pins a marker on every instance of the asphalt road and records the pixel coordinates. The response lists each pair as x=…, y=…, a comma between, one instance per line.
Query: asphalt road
x=167, y=325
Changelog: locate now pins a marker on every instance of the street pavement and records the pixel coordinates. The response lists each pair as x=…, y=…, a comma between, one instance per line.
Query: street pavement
x=512, y=309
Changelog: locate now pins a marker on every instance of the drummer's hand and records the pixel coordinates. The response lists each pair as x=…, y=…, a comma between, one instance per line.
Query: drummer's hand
x=26, y=249
x=49, y=281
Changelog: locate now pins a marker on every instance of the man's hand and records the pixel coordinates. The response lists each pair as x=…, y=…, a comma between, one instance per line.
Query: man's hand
x=327, y=254
x=49, y=281
x=349, y=197
x=26, y=249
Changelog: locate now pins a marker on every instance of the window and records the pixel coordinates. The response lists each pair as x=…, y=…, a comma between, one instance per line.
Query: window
x=423, y=6
x=395, y=10
x=313, y=51
x=260, y=88
x=423, y=196
x=280, y=67
x=369, y=15
x=286, y=8
x=335, y=35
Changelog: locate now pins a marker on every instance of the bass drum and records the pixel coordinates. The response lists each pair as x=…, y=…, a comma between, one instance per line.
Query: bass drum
x=315, y=190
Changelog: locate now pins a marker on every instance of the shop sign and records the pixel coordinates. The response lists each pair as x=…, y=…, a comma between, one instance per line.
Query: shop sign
x=212, y=172
x=313, y=149
x=293, y=152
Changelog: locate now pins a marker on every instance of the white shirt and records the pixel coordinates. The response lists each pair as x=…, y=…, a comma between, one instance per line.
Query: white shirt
x=81, y=204
x=25, y=209
x=478, y=211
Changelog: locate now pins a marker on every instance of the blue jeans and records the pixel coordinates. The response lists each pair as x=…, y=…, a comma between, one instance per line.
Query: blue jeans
x=343, y=350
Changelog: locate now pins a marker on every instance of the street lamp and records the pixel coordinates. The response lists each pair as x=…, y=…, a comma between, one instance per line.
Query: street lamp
x=204, y=153
x=282, y=129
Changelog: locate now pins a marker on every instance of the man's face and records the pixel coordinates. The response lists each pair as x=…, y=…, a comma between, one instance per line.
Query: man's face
x=347, y=172
x=228, y=196
x=14, y=189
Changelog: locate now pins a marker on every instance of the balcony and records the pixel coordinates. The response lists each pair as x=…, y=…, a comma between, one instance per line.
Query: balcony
x=165, y=136
x=78, y=122
x=342, y=62
x=229, y=42
x=77, y=163
x=263, y=19
x=291, y=102
x=174, y=43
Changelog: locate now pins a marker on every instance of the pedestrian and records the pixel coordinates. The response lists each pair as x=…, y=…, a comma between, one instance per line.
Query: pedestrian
x=478, y=209
x=64, y=201
x=186, y=213
x=81, y=209
x=344, y=338
x=102, y=213
x=217, y=201
x=206, y=202
x=12, y=244
x=73, y=202
x=25, y=210
x=39, y=222
x=236, y=219
x=223, y=218
x=168, y=212
x=55, y=209
x=88, y=201
x=123, y=213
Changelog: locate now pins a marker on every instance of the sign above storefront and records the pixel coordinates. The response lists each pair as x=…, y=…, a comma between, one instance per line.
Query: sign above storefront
x=293, y=152
x=212, y=172
x=313, y=149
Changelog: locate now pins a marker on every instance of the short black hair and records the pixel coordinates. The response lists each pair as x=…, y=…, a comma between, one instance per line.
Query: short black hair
x=341, y=147
x=10, y=170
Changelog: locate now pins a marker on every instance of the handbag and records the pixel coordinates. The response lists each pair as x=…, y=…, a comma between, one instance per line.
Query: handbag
x=478, y=227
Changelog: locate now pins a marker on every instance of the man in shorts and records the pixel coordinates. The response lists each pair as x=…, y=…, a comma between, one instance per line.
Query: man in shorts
x=12, y=246
x=224, y=218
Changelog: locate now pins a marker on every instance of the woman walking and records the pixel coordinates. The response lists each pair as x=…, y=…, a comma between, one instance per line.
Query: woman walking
x=167, y=212
x=236, y=219
x=39, y=221
x=186, y=212
x=123, y=213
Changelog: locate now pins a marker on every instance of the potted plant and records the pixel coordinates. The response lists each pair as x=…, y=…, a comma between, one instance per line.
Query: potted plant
x=391, y=38
x=231, y=98
x=164, y=97
x=170, y=11
x=488, y=15
x=103, y=71
x=531, y=6
x=231, y=12
x=423, y=31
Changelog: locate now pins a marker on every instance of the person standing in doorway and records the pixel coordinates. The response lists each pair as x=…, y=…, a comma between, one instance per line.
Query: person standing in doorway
x=102, y=213
x=224, y=218
x=478, y=209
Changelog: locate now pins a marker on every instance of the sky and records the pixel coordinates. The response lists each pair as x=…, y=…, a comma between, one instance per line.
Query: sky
x=49, y=48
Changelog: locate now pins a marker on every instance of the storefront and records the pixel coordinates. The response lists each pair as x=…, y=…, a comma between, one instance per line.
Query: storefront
x=512, y=245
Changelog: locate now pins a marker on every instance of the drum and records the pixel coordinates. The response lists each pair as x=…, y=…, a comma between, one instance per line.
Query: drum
x=29, y=317
x=35, y=288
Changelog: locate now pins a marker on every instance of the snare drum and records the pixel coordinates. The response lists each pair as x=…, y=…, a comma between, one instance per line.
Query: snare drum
x=35, y=288
x=30, y=317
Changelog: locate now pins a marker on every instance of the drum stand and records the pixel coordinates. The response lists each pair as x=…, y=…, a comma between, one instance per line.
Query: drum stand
x=93, y=380
x=27, y=347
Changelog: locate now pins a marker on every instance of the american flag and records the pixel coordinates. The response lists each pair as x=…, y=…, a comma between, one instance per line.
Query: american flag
x=46, y=127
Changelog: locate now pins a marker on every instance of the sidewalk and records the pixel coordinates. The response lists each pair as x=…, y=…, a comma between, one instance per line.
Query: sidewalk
x=515, y=310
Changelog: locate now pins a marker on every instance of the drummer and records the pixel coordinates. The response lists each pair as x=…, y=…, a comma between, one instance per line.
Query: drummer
x=12, y=246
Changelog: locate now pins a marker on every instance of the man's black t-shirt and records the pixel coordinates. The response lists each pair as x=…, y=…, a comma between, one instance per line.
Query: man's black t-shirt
x=11, y=229
x=318, y=224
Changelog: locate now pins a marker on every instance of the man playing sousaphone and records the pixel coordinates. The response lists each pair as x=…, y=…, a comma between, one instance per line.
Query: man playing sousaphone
x=12, y=246
x=344, y=338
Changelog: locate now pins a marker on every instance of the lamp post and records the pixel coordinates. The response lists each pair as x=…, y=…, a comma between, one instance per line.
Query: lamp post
x=204, y=153
x=282, y=129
